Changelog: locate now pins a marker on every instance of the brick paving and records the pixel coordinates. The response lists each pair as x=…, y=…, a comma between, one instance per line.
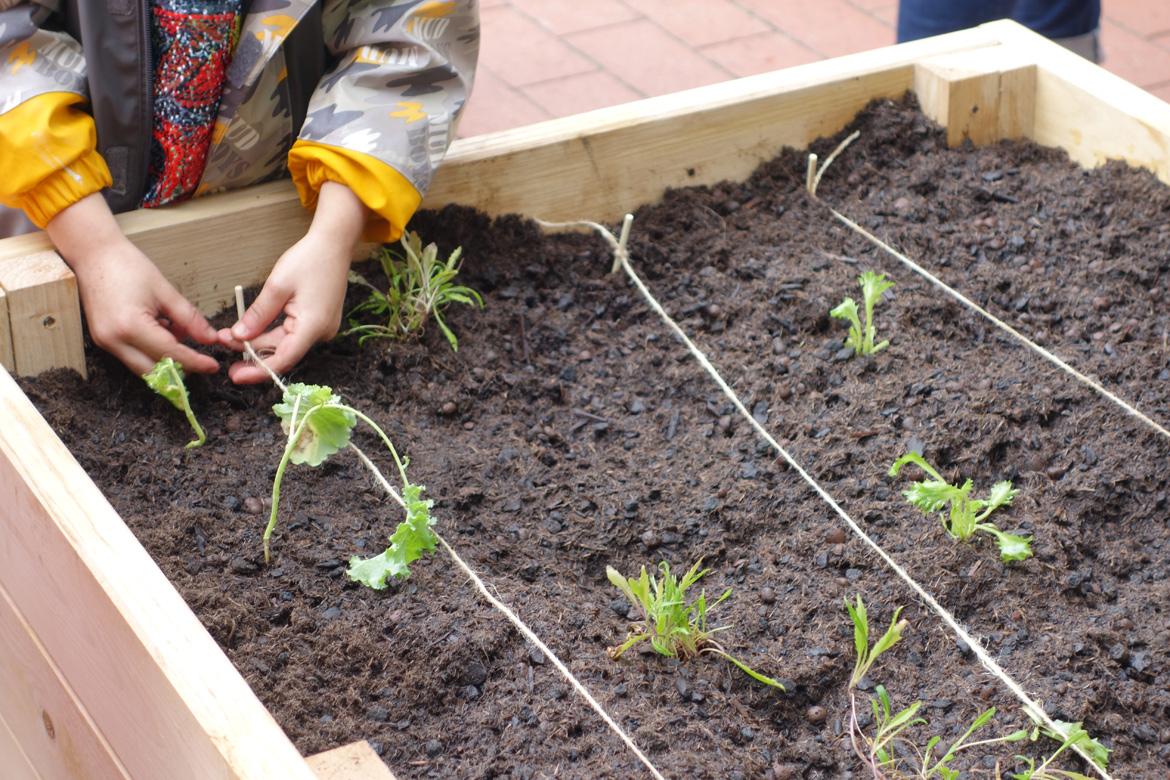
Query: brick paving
x=542, y=59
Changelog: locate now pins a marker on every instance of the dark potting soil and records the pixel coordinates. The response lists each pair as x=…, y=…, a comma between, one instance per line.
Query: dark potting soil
x=571, y=432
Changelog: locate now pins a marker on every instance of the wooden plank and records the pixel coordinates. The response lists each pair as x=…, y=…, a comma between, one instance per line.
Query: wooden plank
x=41, y=710
x=44, y=314
x=12, y=758
x=135, y=655
x=355, y=761
x=982, y=96
x=595, y=165
x=6, y=356
x=1091, y=113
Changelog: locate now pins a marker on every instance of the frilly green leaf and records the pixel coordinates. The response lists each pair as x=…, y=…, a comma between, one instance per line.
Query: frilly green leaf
x=410, y=540
x=325, y=428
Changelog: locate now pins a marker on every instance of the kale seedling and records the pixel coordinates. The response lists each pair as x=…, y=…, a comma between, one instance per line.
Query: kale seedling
x=166, y=379
x=861, y=339
x=420, y=286
x=966, y=515
x=674, y=627
x=318, y=424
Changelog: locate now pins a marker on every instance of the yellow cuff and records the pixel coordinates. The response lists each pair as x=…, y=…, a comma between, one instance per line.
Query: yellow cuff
x=388, y=194
x=49, y=157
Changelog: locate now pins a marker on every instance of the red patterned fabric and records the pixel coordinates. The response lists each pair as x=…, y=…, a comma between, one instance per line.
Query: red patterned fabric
x=192, y=45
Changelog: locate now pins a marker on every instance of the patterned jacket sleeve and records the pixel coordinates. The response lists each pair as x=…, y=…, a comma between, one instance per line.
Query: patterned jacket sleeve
x=48, y=145
x=381, y=120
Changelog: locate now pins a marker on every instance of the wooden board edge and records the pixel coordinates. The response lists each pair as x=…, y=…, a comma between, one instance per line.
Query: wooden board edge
x=7, y=357
x=12, y=757
x=44, y=313
x=55, y=731
x=1092, y=114
x=131, y=647
x=355, y=761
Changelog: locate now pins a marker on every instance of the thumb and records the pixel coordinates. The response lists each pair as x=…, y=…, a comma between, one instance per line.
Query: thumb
x=268, y=304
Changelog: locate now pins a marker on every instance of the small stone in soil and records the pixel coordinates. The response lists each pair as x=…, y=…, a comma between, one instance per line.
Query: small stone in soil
x=242, y=565
x=816, y=714
x=620, y=607
x=253, y=505
x=332, y=613
x=448, y=409
x=836, y=536
x=767, y=595
x=434, y=747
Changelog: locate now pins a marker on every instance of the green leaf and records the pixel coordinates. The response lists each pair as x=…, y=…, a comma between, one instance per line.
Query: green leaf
x=846, y=310
x=1012, y=547
x=1001, y=494
x=325, y=426
x=873, y=285
x=166, y=379
x=1075, y=734
x=930, y=496
x=410, y=540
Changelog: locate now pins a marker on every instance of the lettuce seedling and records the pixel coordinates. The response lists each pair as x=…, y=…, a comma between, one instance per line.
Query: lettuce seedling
x=318, y=424
x=966, y=515
x=420, y=286
x=859, y=338
x=674, y=627
x=166, y=379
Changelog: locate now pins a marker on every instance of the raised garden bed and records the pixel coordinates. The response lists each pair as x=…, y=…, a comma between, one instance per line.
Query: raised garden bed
x=571, y=432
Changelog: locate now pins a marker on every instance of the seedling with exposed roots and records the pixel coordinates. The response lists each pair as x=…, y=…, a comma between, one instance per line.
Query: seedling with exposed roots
x=861, y=337
x=420, y=286
x=674, y=627
x=318, y=424
x=965, y=515
x=166, y=379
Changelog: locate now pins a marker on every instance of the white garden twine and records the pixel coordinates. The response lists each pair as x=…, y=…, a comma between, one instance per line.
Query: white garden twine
x=622, y=258
x=1084, y=379
x=527, y=632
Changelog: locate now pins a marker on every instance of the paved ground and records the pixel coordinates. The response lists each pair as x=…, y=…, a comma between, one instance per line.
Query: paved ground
x=548, y=58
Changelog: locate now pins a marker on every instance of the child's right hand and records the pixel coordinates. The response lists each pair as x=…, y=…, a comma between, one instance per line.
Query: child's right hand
x=133, y=312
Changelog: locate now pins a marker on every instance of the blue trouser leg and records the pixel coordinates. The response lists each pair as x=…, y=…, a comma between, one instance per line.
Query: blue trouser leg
x=1053, y=18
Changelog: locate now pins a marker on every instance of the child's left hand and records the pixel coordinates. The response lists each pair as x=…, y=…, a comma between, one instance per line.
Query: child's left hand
x=308, y=284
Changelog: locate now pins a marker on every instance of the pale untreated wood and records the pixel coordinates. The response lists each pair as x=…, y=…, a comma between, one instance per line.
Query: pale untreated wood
x=355, y=761
x=44, y=314
x=598, y=165
x=6, y=358
x=39, y=706
x=983, y=96
x=12, y=758
x=134, y=654
x=1092, y=114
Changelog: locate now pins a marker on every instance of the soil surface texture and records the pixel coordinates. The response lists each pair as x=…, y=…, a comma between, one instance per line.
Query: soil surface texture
x=571, y=431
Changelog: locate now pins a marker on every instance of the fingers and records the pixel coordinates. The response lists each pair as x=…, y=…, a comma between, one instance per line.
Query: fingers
x=267, y=306
x=186, y=320
x=154, y=342
x=287, y=345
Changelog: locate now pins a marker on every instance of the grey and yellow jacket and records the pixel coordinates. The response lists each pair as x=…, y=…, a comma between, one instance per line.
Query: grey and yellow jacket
x=360, y=92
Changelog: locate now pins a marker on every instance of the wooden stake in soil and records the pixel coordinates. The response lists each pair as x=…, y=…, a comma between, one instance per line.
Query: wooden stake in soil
x=1031, y=707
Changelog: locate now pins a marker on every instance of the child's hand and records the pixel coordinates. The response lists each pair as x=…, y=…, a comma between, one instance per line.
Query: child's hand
x=132, y=311
x=307, y=284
